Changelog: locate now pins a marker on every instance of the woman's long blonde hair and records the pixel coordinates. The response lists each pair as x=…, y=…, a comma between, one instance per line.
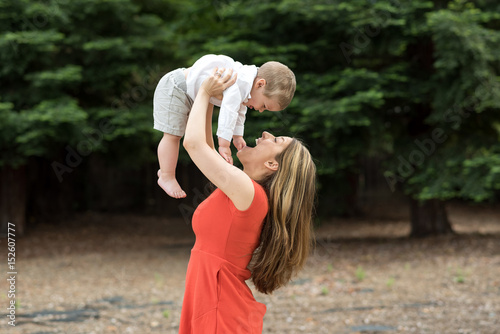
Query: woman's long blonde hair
x=286, y=237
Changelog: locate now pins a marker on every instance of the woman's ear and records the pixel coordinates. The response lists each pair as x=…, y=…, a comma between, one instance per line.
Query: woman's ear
x=272, y=165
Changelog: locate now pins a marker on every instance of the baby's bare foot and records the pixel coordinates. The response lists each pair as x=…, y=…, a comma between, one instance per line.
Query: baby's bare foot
x=171, y=187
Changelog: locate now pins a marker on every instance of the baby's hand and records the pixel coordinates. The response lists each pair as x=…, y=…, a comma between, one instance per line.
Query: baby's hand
x=239, y=142
x=225, y=152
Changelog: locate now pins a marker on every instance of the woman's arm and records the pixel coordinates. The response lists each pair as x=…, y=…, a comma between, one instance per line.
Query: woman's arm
x=208, y=126
x=231, y=180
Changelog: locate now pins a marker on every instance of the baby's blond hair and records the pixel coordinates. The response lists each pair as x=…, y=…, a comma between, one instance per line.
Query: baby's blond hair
x=280, y=82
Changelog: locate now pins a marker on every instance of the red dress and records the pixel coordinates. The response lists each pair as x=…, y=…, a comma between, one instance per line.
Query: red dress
x=217, y=300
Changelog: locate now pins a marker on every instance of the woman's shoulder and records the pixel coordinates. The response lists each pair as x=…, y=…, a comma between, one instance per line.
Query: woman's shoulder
x=259, y=203
x=260, y=192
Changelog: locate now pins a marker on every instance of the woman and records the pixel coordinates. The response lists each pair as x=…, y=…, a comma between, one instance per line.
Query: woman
x=263, y=211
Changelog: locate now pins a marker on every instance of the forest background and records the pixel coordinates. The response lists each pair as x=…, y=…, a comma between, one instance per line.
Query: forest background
x=394, y=98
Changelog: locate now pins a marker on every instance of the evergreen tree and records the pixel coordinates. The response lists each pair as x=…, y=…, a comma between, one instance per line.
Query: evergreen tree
x=414, y=81
x=77, y=77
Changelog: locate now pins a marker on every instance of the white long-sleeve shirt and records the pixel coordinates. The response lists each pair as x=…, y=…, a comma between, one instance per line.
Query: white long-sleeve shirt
x=232, y=111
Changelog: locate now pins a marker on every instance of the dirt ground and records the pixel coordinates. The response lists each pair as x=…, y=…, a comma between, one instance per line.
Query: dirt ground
x=102, y=273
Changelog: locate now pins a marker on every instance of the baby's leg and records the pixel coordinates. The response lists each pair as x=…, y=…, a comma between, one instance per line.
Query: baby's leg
x=168, y=153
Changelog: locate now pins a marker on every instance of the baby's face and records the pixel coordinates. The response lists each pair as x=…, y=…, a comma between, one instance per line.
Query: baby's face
x=260, y=102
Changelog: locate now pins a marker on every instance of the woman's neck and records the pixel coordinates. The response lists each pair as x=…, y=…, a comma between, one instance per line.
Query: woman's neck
x=256, y=175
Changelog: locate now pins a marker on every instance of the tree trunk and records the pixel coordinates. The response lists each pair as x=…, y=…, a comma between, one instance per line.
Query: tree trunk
x=352, y=196
x=13, y=199
x=428, y=218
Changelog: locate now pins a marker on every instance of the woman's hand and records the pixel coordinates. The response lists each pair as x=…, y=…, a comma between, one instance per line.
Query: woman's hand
x=215, y=84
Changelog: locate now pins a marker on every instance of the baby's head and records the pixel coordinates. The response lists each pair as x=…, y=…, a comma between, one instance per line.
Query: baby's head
x=273, y=87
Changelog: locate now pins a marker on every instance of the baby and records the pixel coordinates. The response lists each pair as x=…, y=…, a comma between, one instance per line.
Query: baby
x=269, y=87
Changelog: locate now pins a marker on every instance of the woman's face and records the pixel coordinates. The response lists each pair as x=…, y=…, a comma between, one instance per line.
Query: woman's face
x=266, y=149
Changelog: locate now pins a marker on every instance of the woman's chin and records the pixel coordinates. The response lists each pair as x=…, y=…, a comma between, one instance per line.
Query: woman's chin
x=245, y=148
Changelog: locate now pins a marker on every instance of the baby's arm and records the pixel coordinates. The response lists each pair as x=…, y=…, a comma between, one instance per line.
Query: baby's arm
x=225, y=150
x=228, y=116
x=238, y=140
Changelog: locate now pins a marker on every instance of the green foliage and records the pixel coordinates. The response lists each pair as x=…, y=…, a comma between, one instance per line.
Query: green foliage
x=464, y=103
x=459, y=276
x=414, y=81
x=67, y=66
x=390, y=282
x=360, y=273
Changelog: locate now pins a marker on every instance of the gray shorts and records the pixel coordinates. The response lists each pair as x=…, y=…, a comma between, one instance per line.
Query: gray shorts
x=171, y=104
